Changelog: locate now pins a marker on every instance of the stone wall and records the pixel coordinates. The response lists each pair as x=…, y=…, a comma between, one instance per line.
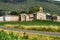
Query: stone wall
x=9, y=18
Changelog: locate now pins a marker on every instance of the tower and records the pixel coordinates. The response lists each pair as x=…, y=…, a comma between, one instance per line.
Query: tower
x=41, y=9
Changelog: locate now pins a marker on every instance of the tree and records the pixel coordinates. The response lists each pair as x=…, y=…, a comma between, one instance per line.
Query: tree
x=33, y=9
x=2, y=13
x=23, y=12
x=14, y=13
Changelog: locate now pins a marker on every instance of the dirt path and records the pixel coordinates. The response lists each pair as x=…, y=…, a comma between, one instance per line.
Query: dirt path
x=32, y=31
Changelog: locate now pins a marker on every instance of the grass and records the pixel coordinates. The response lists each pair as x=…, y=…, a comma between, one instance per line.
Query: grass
x=38, y=25
x=14, y=35
x=34, y=22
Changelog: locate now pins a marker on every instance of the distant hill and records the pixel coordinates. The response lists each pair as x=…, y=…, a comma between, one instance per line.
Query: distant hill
x=24, y=5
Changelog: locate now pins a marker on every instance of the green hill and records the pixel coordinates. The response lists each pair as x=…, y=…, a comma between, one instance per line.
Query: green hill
x=24, y=5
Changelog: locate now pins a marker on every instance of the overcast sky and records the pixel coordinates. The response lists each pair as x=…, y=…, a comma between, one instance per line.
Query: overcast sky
x=56, y=0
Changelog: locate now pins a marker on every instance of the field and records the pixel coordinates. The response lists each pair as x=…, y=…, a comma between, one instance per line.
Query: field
x=14, y=35
x=39, y=25
x=34, y=22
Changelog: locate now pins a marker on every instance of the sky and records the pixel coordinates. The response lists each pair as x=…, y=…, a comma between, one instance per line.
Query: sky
x=56, y=0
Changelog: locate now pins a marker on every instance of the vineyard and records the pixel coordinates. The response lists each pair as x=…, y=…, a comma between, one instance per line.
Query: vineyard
x=13, y=35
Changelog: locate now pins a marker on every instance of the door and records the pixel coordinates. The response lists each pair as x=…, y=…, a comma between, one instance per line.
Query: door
x=35, y=16
x=24, y=19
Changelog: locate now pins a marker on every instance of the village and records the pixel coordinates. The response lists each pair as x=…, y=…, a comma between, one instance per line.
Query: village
x=29, y=20
x=40, y=15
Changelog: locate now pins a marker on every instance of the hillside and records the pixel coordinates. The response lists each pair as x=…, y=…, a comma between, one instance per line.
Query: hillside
x=24, y=5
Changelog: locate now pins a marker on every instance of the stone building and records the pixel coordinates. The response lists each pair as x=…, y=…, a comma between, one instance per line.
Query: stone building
x=58, y=18
x=9, y=18
x=40, y=15
x=24, y=17
x=31, y=17
x=1, y=19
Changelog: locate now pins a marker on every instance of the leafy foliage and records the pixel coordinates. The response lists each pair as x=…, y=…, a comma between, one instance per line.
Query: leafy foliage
x=33, y=9
x=14, y=13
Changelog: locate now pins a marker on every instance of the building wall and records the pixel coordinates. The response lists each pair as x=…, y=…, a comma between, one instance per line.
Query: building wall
x=41, y=16
x=12, y=18
x=24, y=17
x=54, y=18
x=27, y=18
x=48, y=17
x=58, y=18
x=9, y=18
x=1, y=19
x=31, y=17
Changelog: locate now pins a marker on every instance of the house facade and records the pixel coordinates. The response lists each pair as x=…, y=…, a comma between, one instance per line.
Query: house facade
x=40, y=15
x=31, y=17
x=24, y=17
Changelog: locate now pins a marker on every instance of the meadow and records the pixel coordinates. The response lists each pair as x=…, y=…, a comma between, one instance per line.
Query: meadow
x=34, y=22
x=39, y=25
x=14, y=35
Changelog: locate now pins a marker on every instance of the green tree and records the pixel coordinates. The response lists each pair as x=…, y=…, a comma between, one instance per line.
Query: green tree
x=14, y=13
x=23, y=12
x=33, y=9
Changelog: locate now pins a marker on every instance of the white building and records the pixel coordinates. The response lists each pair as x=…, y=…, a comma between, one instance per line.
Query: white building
x=24, y=17
x=9, y=18
x=58, y=18
x=41, y=15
